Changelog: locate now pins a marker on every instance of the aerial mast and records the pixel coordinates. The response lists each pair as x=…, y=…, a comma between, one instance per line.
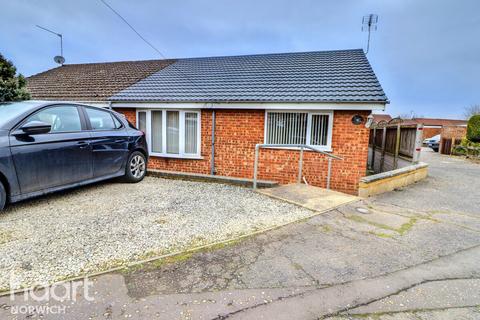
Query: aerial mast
x=58, y=59
x=369, y=24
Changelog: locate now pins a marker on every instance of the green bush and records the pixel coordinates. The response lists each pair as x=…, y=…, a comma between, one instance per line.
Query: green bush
x=467, y=143
x=473, y=128
x=468, y=148
x=460, y=150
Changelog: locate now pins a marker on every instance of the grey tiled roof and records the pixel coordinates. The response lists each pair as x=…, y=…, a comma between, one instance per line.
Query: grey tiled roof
x=323, y=76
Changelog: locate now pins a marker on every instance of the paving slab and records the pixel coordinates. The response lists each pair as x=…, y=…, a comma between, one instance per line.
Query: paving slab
x=376, y=218
x=466, y=221
x=310, y=197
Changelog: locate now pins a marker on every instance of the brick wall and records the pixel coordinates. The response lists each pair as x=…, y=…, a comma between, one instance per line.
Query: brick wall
x=130, y=114
x=237, y=132
x=457, y=132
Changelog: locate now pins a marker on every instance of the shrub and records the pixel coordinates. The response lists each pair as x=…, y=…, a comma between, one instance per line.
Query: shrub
x=468, y=148
x=473, y=129
x=467, y=143
x=460, y=150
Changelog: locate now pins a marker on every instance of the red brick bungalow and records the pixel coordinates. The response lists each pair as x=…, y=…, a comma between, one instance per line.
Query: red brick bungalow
x=227, y=105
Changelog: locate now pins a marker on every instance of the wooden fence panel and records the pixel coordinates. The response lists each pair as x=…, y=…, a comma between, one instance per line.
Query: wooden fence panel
x=406, y=151
x=407, y=140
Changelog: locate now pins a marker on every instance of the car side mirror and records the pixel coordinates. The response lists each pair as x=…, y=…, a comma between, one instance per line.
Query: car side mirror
x=34, y=127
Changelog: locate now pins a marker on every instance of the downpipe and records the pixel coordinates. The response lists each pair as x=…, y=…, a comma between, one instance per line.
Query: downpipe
x=212, y=157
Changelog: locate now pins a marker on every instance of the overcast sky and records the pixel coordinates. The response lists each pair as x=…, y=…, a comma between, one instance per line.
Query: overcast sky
x=426, y=53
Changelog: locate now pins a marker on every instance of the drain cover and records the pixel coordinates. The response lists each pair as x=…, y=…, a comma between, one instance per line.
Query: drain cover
x=363, y=210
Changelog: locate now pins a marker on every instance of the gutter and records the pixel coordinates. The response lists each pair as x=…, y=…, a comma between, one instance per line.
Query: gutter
x=254, y=106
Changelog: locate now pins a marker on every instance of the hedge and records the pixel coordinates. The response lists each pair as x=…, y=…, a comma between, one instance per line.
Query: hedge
x=473, y=128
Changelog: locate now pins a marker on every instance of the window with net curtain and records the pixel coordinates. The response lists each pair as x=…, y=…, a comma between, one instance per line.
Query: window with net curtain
x=172, y=132
x=298, y=128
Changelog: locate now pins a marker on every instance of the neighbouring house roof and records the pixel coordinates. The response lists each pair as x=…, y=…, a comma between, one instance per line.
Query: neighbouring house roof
x=381, y=117
x=425, y=121
x=92, y=81
x=435, y=122
x=323, y=76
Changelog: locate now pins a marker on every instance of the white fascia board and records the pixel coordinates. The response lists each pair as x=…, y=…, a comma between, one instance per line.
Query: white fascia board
x=256, y=106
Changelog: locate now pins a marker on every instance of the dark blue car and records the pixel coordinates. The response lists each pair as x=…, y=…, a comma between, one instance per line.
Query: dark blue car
x=47, y=147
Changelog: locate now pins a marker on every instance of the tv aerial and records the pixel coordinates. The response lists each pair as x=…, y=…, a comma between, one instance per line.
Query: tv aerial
x=58, y=59
x=369, y=24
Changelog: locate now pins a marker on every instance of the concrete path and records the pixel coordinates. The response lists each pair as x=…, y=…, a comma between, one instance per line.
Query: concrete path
x=310, y=197
x=367, y=296
x=382, y=258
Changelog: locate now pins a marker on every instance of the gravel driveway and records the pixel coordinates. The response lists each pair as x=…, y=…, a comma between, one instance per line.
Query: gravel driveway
x=109, y=224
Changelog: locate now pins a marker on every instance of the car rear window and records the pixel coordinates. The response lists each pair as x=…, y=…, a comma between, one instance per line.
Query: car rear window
x=101, y=120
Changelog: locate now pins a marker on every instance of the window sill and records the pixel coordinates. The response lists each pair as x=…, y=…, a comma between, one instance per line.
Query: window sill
x=324, y=149
x=176, y=156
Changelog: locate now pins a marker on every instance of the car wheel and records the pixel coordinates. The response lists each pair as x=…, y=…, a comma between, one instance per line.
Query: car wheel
x=3, y=196
x=136, y=167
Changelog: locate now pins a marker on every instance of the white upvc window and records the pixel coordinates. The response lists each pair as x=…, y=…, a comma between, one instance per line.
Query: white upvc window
x=171, y=133
x=312, y=128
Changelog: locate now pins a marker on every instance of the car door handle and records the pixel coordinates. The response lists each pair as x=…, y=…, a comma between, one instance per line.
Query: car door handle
x=83, y=144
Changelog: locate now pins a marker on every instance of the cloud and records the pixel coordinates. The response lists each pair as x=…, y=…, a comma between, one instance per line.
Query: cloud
x=425, y=53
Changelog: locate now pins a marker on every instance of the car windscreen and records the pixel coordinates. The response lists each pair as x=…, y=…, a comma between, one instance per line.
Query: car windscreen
x=11, y=110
